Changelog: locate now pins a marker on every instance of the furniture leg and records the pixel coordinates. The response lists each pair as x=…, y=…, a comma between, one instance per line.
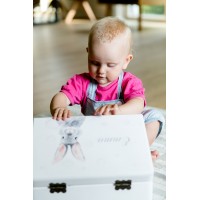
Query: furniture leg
x=72, y=12
x=109, y=9
x=140, y=16
x=88, y=10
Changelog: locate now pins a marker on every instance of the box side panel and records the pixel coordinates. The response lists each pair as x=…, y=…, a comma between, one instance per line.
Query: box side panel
x=139, y=191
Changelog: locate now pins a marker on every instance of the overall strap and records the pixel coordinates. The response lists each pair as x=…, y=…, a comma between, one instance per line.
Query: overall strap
x=91, y=91
x=121, y=76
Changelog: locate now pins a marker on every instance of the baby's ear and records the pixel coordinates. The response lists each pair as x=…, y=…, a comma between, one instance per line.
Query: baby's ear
x=129, y=57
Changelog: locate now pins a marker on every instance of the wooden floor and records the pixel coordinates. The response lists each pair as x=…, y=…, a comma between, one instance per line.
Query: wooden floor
x=59, y=53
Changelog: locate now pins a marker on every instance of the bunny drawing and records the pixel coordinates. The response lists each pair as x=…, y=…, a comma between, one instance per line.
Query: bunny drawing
x=70, y=131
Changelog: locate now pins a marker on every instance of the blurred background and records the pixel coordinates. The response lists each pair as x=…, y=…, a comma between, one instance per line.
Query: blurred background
x=60, y=31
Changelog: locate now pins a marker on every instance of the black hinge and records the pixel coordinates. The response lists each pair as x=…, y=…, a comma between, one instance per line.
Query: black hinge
x=57, y=187
x=123, y=185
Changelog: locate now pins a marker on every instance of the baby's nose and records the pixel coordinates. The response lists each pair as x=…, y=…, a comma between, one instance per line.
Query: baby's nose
x=102, y=69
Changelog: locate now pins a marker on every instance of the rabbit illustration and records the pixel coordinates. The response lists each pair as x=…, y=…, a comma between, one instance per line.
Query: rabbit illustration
x=70, y=131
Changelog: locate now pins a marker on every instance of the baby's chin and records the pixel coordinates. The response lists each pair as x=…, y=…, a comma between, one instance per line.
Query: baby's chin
x=102, y=81
x=103, y=84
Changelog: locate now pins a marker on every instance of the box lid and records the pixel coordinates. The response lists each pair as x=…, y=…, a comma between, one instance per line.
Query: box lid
x=91, y=150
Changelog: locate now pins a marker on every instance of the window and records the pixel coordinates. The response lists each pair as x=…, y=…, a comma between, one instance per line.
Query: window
x=149, y=12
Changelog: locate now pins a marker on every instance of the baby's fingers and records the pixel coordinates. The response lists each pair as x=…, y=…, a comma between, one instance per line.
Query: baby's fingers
x=99, y=111
x=55, y=115
x=61, y=113
x=66, y=114
x=104, y=110
x=115, y=109
x=107, y=110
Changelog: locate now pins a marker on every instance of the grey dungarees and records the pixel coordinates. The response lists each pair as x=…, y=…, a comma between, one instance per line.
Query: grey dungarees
x=92, y=104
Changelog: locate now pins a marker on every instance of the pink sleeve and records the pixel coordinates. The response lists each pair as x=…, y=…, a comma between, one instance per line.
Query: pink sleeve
x=132, y=87
x=75, y=88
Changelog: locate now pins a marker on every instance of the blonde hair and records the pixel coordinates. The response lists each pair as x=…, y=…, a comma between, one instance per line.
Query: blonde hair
x=108, y=28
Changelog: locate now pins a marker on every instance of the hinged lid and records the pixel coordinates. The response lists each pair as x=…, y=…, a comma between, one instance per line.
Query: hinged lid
x=91, y=150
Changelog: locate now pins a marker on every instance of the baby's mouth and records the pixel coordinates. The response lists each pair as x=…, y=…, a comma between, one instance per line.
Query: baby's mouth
x=101, y=77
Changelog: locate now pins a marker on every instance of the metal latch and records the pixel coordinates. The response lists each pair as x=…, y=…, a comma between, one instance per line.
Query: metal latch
x=122, y=185
x=57, y=187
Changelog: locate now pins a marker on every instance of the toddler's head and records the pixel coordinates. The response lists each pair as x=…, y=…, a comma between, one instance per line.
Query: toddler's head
x=108, y=29
x=109, y=49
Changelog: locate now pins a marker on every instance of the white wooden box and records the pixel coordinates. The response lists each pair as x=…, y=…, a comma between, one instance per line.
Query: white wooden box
x=88, y=157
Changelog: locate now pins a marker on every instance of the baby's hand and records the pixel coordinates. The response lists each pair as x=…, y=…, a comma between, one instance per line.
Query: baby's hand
x=61, y=113
x=110, y=109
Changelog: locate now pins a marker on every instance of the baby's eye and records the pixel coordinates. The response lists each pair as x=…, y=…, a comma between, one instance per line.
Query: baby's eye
x=111, y=65
x=95, y=63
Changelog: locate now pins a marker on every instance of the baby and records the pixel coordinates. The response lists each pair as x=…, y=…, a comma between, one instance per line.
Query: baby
x=107, y=89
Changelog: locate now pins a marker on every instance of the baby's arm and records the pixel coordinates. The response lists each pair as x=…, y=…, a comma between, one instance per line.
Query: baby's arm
x=58, y=107
x=133, y=106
